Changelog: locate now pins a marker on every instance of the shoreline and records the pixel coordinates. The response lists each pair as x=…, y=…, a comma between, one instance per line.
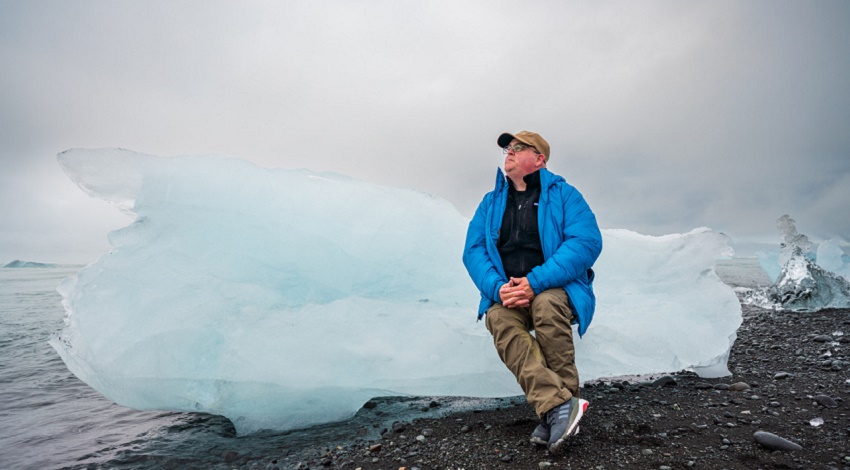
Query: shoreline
x=788, y=365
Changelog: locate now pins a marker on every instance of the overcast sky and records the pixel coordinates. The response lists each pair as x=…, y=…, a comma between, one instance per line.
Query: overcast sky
x=666, y=115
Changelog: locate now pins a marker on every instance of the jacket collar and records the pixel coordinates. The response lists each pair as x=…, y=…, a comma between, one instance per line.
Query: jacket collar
x=547, y=178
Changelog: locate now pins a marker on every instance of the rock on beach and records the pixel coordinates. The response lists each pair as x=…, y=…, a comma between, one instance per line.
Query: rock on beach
x=773, y=442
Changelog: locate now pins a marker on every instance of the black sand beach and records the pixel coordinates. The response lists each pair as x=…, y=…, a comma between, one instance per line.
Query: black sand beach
x=790, y=372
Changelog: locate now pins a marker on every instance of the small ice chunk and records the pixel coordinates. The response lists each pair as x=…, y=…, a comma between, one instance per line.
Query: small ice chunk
x=802, y=285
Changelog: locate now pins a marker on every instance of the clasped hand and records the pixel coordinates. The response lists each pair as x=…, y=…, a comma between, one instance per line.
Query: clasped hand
x=516, y=293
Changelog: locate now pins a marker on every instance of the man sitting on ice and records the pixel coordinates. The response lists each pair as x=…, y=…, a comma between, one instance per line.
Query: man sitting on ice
x=529, y=249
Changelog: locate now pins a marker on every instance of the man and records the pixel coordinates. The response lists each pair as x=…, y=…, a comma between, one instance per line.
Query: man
x=529, y=249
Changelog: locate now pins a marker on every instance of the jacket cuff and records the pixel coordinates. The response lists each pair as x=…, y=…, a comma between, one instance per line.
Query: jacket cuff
x=496, y=297
x=535, y=285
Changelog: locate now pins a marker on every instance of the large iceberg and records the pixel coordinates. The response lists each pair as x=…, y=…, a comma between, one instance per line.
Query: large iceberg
x=804, y=281
x=285, y=298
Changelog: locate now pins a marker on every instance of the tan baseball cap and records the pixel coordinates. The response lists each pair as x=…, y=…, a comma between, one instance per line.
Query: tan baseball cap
x=528, y=138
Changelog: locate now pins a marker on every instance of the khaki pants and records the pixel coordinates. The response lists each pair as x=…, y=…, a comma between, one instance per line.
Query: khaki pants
x=543, y=364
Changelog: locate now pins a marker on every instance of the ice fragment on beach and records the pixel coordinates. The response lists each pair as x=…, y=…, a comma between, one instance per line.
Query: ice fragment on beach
x=802, y=285
x=831, y=257
x=815, y=422
x=282, y=299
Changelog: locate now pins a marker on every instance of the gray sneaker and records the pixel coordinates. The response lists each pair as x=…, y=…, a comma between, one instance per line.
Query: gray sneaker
x=540, y=435
x=563, y=422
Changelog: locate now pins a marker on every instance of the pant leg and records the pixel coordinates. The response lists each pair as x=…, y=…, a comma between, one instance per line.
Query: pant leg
x=552, y=319
x=521, y=353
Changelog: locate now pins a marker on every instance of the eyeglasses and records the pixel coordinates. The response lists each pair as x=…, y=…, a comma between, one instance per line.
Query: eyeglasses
x=518, y=148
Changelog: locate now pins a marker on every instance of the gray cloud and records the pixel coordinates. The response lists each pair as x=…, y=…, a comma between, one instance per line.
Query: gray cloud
x=667, y=115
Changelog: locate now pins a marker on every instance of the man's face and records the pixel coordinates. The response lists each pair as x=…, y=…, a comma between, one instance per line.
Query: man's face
x=524, y=162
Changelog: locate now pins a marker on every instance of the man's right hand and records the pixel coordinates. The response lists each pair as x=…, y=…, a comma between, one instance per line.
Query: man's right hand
x=516, y=293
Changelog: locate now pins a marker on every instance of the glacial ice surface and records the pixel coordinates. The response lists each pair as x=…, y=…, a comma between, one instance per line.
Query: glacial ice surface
x=286, y=298
x=806, y=281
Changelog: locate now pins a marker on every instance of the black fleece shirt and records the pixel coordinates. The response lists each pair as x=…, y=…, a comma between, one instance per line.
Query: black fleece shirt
x=519, y=237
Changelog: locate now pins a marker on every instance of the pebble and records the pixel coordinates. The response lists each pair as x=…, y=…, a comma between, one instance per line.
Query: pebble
x=739, y=387
x=774, y=442
x=822, y=338
x=721, y=386
x=665, y=381
x=544, y=464
x=826, y=401
x=702, y=386
x=646, y=451
x=781, y=375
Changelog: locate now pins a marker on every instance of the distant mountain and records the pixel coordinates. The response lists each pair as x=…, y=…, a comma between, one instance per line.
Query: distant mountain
x=27, y=264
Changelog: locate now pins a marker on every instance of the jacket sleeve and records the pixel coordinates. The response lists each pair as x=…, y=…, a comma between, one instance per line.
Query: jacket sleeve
x=580, y=243
x=481, y=268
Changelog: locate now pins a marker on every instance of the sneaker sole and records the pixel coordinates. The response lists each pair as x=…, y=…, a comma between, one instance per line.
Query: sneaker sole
x=538, y=441
x=556, y=447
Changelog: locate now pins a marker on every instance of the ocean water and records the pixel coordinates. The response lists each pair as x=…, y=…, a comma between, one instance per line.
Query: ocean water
x=53, y=420
x=50, y=419
x=742, y=272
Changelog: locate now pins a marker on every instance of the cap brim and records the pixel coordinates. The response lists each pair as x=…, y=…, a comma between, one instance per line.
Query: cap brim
x=504, y=140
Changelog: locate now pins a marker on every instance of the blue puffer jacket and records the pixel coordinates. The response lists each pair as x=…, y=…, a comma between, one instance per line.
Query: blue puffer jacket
x=568, y=232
